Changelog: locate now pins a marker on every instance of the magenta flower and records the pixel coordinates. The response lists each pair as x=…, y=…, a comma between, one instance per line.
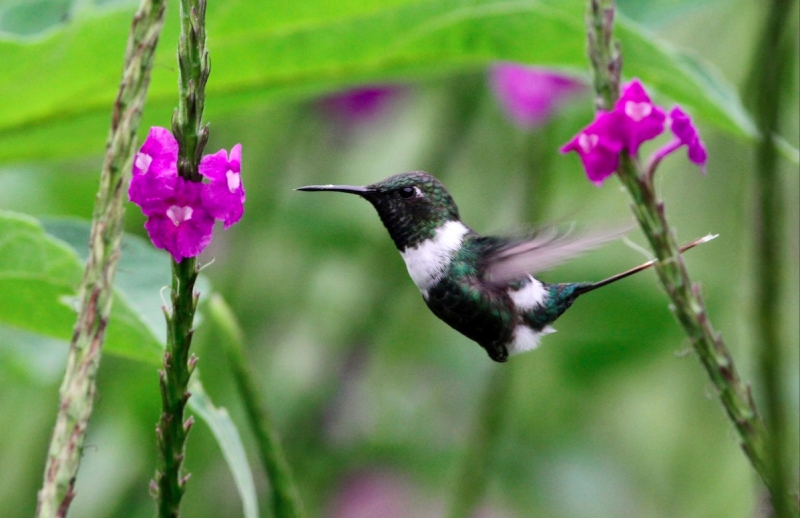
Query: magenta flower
x=224, y=197
x=180, y=212
x=598, y=145
x=634, y=120
x=181, y=225
x=641, y=119
x=359, y=104
x=681, y=125
x=155, y=169
x=529, y=95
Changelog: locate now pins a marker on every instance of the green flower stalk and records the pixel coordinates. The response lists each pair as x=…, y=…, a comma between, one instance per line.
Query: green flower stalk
x=95, y=293
x=774, y=54
x=686, y=297
x=191, y=135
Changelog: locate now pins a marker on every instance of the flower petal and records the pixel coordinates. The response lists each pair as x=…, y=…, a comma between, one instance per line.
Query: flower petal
x=155, y=170
x=641, y=119
x=530, y=95
x=182, y=226
x=224, y=197
x=685, y=131
x=598, y=145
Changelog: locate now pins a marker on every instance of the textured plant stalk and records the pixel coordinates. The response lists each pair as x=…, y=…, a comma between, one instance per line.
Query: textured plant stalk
x=170, y=477
x=95, y=293
x=773, y=55
x=686, y=297
x=286, y=501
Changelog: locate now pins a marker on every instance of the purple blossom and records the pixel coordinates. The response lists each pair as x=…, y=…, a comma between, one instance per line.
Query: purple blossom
x=634, y=120
x=224, y=197
x=641, y=120
x=681, y=125
x=180, y=224
x=155, y=170
x=358, y=104
x=598, y=145
x=180, y=212
x=529, y=95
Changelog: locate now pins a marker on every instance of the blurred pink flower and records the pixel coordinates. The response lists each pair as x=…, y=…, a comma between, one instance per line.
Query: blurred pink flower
x=529, y=95
x=358, y=104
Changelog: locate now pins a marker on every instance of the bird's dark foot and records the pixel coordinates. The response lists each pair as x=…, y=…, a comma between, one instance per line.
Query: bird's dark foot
x=497, y=352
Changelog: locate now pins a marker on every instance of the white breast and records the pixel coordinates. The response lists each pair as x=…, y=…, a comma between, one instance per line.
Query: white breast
x=428, y=261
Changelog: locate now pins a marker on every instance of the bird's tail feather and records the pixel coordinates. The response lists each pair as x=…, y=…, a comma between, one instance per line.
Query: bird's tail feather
x=637, y=269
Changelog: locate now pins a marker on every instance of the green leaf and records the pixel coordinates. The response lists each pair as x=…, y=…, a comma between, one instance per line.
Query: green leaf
x=38, y=278
x=227, y=436
x=55, y=94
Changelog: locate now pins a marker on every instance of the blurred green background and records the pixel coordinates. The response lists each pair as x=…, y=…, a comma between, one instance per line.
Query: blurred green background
x=375, y=398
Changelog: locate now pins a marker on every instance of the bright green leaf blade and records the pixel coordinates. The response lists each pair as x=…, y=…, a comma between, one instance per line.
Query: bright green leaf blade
x=287, y=50
x=38, y=278
x=229, y=441
x=143, y=274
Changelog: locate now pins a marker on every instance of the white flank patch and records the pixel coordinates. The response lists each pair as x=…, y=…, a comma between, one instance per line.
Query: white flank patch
x=531, y=295
x=526, y=339
x=428, y=261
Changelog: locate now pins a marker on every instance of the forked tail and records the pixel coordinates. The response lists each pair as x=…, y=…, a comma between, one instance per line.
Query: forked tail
x=648, y=264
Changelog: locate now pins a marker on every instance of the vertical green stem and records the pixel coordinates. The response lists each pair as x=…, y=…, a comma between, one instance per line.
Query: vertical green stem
x=170, y=478
x=95, y=294
x=285, y=497
x=773, y=55
x=686, y=297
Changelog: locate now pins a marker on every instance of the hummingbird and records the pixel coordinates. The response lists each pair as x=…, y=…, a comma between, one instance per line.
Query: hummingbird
x=481, y=286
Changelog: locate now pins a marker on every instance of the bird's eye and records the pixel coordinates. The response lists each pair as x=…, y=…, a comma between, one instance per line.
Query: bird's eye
x=407, y=192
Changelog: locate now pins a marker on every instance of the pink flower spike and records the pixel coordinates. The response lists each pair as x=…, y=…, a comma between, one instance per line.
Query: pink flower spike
x=681, y=125
x=598, y=145
x=641, y=119
x=529, y=95
x=155, y=170
x=181, y=225
x=224, y=197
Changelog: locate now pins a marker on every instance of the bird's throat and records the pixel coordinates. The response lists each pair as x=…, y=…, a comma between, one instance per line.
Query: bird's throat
x=429, y=260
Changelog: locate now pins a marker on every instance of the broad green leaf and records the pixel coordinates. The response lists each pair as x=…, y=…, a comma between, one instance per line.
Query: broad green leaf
x=142, y=273
x=227, y=436
x=38, y=278
x=55, y=95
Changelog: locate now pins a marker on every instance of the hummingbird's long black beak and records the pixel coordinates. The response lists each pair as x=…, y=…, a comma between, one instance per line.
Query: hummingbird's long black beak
x=352, y=189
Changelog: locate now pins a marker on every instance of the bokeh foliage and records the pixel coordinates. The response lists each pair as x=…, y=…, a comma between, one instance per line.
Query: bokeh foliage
x=607, y=419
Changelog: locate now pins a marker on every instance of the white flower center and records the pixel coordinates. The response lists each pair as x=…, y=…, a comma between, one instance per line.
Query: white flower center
x=638, y=111
x=588, y=142
x=143, y=162
x=234, y=180
x=179, y=214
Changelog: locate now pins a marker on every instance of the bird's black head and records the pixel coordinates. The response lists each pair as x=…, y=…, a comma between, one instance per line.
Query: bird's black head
x=411, y=205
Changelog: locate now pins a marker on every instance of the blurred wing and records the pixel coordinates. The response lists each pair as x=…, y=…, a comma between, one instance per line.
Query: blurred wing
x=544, y=250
